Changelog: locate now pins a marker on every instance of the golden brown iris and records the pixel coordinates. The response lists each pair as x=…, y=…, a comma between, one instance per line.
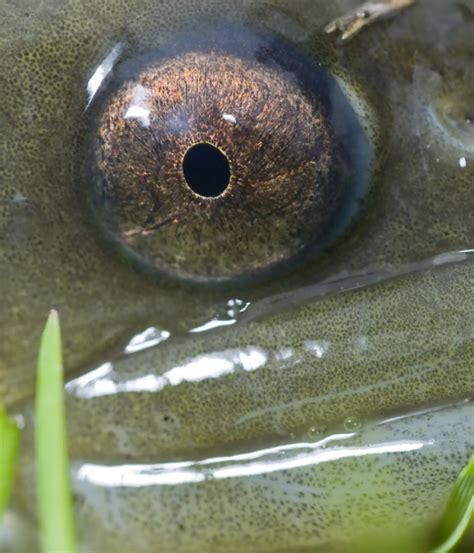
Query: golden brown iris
x=215, y=166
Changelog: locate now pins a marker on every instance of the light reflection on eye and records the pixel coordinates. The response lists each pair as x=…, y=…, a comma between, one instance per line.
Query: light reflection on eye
x=139, y=108
x=102, y=71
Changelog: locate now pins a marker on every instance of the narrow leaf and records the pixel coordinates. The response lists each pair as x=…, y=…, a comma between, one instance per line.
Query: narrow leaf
x=55, y=508
x=9, y=440
x=459, y=512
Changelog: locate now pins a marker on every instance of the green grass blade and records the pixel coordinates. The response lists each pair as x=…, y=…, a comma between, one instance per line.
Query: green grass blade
x=55, y=510
x=459, y=512
x=9, y=441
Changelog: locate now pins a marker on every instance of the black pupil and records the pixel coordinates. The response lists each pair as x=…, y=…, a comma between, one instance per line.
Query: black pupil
x=206, y=170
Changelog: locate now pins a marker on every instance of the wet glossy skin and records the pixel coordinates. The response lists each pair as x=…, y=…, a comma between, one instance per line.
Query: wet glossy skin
x=392, y=347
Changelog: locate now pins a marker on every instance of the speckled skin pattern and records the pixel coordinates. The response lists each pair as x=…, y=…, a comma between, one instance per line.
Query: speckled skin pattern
x=290, y=369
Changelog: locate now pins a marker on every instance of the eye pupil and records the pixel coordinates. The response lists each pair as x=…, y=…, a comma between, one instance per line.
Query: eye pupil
x=206, y=170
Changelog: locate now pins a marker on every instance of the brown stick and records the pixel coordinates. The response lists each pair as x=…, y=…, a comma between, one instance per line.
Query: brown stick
x=354, y=21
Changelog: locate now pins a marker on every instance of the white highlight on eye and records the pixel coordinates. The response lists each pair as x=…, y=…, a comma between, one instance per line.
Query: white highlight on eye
x=139, y=108
x=137, y=112
x=104, y=381
x=102, y=71
x=229, y=118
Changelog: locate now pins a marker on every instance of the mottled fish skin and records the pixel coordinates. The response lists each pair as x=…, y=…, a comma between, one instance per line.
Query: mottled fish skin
x=377, y=482
x=384, y=348
x=51, y=253
x=331, y=495
x=398, y=346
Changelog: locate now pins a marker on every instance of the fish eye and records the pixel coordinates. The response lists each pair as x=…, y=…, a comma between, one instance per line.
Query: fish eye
x=226, y=159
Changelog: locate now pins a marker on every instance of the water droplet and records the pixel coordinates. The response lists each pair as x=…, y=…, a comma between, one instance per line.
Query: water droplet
x=236, y=306
x=313, y=432
x=150, y=337
x=351, y=424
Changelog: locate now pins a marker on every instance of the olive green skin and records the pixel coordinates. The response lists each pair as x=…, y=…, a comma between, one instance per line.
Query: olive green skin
x=419, y=327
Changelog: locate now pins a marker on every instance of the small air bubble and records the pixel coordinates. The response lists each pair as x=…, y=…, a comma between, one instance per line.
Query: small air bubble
x=235, y=307
x=351, y=424
x=314, y=432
